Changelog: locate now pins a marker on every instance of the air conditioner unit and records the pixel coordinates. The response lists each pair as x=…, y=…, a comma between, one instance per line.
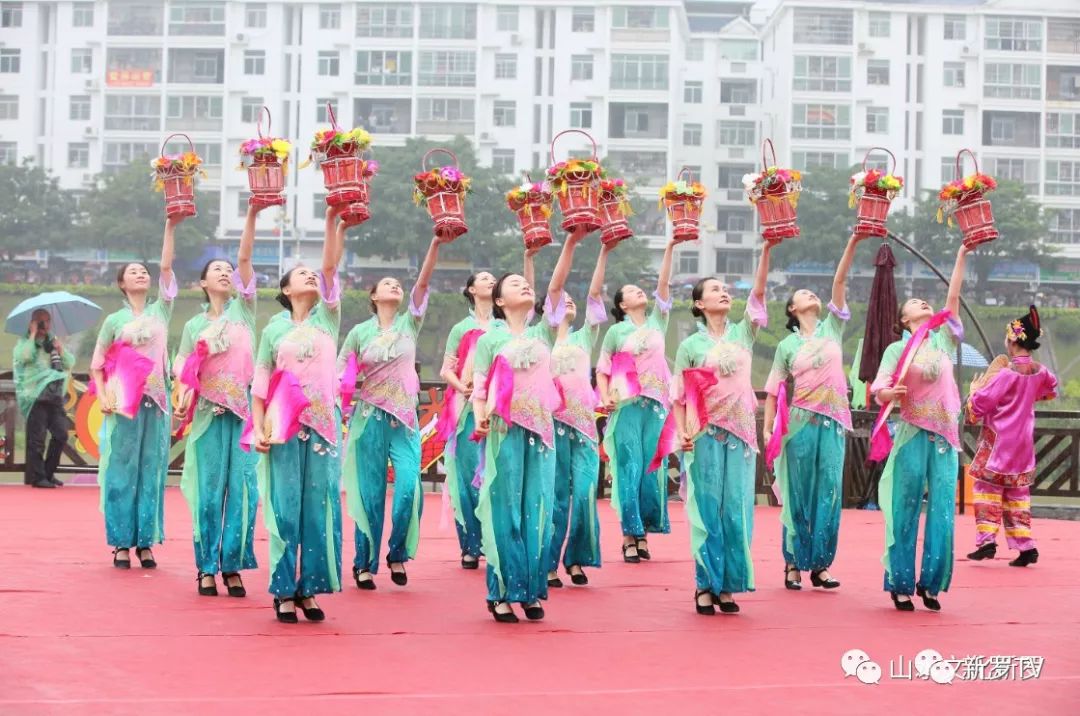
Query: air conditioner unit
x=515, y=39
x=88, y=178
x=91, y=84
x=89, y=131
x=241, y=37
x=485, y=135
x=865, y=49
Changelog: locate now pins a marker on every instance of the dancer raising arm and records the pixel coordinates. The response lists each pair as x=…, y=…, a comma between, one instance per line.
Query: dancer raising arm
x=131, y=381
x=916, y=375
x=714, y=408
x=810, y=465
x=381, y=354
x=299, y=473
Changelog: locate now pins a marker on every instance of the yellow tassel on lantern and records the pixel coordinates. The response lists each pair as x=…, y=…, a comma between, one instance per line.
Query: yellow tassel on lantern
x=305, y=162
x=851, y=201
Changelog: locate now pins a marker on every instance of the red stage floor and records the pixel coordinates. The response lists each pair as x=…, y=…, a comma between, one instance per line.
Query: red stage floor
x=78, y=636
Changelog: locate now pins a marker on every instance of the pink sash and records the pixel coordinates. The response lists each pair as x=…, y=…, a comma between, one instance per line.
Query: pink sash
x=189, y=378
x=453, y=401
x=126, y=371
x=285, y=401
x=696, y=383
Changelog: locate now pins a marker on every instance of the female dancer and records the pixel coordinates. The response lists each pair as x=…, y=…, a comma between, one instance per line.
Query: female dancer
x=917, y=374
x=381, y=351
x=577, y=457
x=299, y=476
x=633, y=430
x=131, y=381
x=1004, y=400
x=456, y=422
x=810, y=466
x=217, y=358
x=712, y=373
x=513, y=399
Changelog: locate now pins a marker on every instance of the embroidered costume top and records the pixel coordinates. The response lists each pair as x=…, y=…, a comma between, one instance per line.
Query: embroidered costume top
x=147, y=333
x=33, y=371
x=647, y=344
x=228, y=369
x=731, y=403
x=308, y=350
x=387, y=360
x=817, y=365
x=571, y=363
x=1006, y=405
x=450, y=357
x=933, y=400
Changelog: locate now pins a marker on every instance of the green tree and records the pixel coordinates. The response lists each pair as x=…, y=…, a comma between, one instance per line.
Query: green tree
x=1021, y=222
x=34, y=211
x=124, y=213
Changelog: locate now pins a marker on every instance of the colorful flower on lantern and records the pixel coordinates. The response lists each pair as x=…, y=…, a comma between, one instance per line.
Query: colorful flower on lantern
x=773, y=181
x=559, y=175
x=440, y=180
x=185, y=164
x=970, y=188
x=874, y=181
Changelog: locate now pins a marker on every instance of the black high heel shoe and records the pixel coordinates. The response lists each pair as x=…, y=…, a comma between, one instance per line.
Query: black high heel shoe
x=794, y=584
x=631, y=558
x=204, y=591
x=473, y=563
x=578, y=577
x=987, y=551
x=312, y=614
x=817, y=581
x=285, y=617
x=501, y=617
x=398, y=578
x=643, y=549
x=368, y=584
x=707, y=610
x=929, y=602
x=121, y=563
x=146, y=562
x=904, y=606
x=237, y=590
x=534, y=612
x=1026, y=557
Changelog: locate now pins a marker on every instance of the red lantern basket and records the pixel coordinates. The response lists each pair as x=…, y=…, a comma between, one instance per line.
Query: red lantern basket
x=576, y=184
x=683, y=199
x=969, y=205
x=265, y=172
x=775, y=198
x=614, y=210
x=442, y=191
x=345, y=175
x=873, y=201
x=531, y=202
x=177, y=181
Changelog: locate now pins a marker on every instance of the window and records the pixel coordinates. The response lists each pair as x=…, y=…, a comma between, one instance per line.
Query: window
x=250, y=109
x=822, y=74
x=121, y=154
x=738, y=91
x=505, y=114
x=639, y=18
x=734, y=133
x=457, y=22
x=1012, y=81
x=79, y=107
x=1063, y=130
x=952, y=121
x=954, y=74
x=822, y=27
x=688, y=262
x=9, y=153
x=329, y=63
x=635, y=121
x=744, y=50
x=255, y=14
x=329, y=17
x=82, y=14
x=506, y=18
x=447, y=68
x=877, y=72
x=1065, y=226
x=821, y=121
x=581, y=115
x=242, y=203
x=11, y=14
x=877, y=120
x=692, y=92
x=640, y=72
x=1014, y=34
x=134, y=112
x=505, y=67
x=948, y=169
x=695, y=51
x=384, y=21
x=691, y=135
x=254, y=62
x=78, y=155
x=321, y=115
x=583, y=20
x=502, y=160
x=383, y=67
x=1062, y=178
x=193, y=107
x=730, y=219
x=729, y=176
x=1002, y=130
x=434, y=109
x=196, y=18
x=581, y=67
x=9, y=106
x=955, y=27
x=318, y=204
x=82, y=61
x=1024, y=171
x=879, y=24
x=809, y=160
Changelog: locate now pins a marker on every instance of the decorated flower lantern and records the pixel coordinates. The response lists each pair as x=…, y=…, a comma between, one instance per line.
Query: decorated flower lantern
x=682, y=199
x=532, y=203
x=174, y=174
x=576, y=183
x=442, y=190
x=614, y=210
x=346, y=173
x=965, y=199
x=871, y=193
x=775, y=194
x=266, y=160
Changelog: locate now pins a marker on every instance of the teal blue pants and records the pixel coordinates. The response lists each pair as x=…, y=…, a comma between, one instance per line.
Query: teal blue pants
x=301, y=482
x=920, y=463
x=134, y=464
x=642, y=495
x=720, y=508
x=466, y=459
x=812, y=493
x=228, y=498
x=577, y=465
x=387, y=439
x=516, y=498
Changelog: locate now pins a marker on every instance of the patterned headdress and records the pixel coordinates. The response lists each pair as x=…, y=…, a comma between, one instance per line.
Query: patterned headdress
x=1025, y=330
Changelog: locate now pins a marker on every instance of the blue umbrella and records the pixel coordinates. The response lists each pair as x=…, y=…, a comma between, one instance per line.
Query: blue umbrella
x=970, y=357
x=70, y=313
x=743, y=285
